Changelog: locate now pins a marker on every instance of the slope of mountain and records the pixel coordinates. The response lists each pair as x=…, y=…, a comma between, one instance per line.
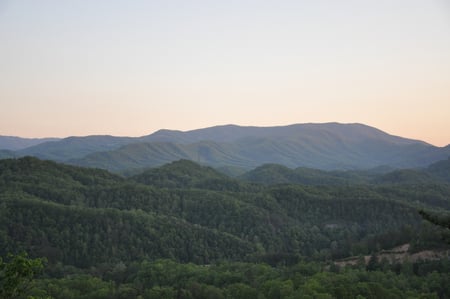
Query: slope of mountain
x=144, y=155
x=323, y=146
x=74, y=147
x=17, y=143
x=226, y=133
x=232, y=133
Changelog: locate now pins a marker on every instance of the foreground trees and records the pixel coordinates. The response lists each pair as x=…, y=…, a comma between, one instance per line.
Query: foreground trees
x=169, y=279
x=16, y=274
x=22, y=277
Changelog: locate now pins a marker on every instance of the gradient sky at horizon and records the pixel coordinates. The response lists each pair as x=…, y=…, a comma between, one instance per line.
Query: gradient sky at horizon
x=133, y=67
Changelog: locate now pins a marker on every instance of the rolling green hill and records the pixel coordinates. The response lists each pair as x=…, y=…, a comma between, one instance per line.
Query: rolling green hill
x=187, y=174
x=272, y=174
x=43, y=201
x=106, y=236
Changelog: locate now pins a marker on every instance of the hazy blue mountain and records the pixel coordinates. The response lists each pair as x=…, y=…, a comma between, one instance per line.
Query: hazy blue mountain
x=226, y=133
x=232, y=133
x=144, y=155
x=322, y=146
x=74, y=147
x=325, y=146
x=17, y=143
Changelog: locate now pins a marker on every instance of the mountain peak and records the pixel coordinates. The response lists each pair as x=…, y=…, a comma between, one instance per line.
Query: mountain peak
x=316, y=145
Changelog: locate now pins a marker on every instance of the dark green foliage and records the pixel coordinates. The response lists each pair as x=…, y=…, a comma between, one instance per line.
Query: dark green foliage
x=115, y=232
x=186, y=174
x=271, y=174
x=85, y=216
x=83, y=236
x=405, y=176
x=168, y=279
x=436, y=234
x=421, y=195
x=441, y=220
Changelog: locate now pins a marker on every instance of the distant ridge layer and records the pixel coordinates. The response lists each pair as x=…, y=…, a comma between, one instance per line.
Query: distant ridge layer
x=326, y=146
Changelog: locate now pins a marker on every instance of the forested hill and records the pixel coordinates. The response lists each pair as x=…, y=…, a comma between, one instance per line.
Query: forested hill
x=271, y=174
x=85, y=216
x=187, y=174
x=327, y=146
x=105, y=236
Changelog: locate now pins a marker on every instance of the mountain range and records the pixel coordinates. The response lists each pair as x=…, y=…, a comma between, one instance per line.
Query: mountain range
x=13, y=143
x=326, y=146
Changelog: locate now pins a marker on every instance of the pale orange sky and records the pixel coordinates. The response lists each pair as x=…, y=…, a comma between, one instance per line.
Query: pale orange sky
x=133, y=67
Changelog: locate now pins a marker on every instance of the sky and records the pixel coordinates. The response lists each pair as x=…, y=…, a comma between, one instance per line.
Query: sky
x=129, y=68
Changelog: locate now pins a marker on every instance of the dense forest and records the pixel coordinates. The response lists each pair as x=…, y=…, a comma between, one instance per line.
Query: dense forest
x=188, y=231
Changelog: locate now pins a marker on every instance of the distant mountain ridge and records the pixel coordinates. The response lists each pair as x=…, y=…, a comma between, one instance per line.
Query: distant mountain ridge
x=327, y=146
x=74, y=147
x=14, y=143
x=232, y=133
x=324, y=146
